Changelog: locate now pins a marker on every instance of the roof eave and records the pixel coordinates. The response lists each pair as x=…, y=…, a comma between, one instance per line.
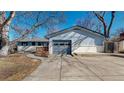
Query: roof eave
x=71, y=28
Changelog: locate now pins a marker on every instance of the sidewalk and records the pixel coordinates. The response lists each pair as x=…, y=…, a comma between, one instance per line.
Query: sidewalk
x=47, y=70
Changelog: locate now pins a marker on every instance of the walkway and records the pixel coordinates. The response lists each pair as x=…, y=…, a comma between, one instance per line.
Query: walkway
x=100, y=68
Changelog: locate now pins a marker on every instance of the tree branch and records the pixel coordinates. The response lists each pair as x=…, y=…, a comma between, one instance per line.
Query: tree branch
x=9, y=19
x=28, y=31
x=111, y=22
x=101, y=18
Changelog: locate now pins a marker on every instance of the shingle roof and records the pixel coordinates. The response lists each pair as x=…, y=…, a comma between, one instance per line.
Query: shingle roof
x=33, y=39
x=72, y=28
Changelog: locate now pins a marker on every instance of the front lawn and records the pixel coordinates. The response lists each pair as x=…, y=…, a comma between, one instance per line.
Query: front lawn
x=17, y=67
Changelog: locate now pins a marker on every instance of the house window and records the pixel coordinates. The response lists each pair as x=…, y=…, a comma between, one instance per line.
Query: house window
x=43, y=44
x=29, y=43
x=24, y=43
x=19, y=43
x=33, y=43
x=62, y=44
x=39, y=43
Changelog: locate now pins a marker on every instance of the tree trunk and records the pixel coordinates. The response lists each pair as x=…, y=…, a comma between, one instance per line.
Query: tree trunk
x=4, y=51
x=4, y=29
x=4, y=42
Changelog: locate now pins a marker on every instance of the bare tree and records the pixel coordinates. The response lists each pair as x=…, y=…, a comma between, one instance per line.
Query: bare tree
x=24, y=24
x=101, y=17
x=90, y=22
x=52, y=30
x=4, y=29
x=86, y=22
x=35, y=21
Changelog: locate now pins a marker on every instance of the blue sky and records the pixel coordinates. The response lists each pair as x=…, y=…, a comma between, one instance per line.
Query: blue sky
x=72, y=16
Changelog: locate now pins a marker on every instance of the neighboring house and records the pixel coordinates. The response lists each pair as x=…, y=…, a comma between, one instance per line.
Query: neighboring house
x=30, y=45
x=75, y=39
x=119, y=43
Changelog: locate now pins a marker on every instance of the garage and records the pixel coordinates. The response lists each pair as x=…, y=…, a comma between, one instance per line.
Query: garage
x=75, y=40
x=61, y=46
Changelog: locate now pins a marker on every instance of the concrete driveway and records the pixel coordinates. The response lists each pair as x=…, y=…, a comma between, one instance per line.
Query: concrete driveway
x=97, y=68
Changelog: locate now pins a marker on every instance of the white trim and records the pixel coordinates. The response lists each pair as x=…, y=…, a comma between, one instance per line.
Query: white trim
x=73, y=29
